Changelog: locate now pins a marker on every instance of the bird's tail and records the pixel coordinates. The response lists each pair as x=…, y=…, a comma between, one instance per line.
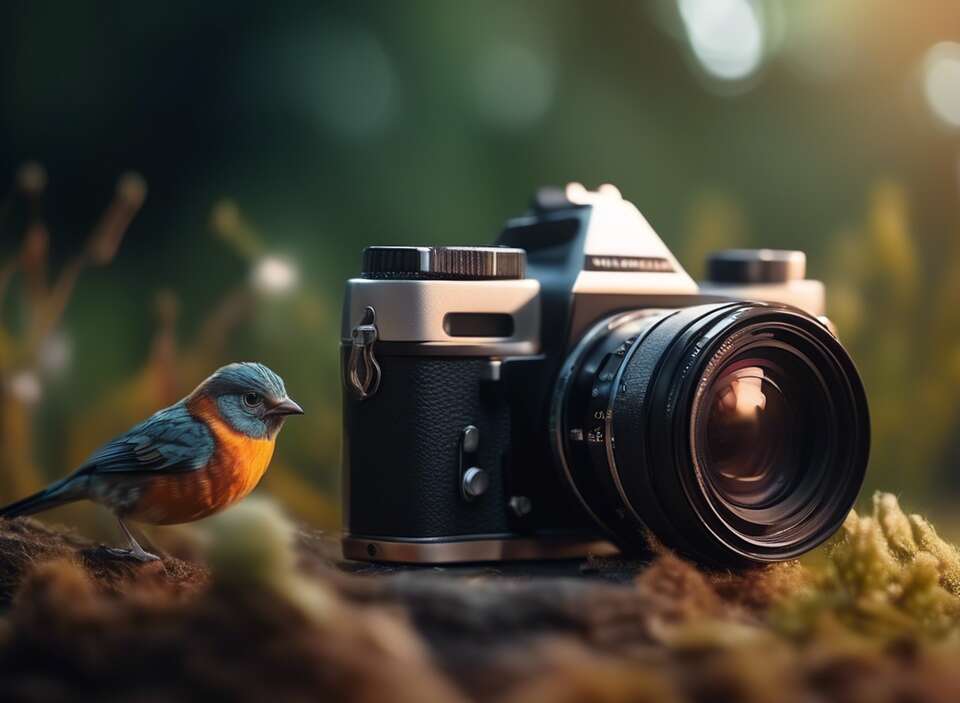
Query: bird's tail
x=63, y=491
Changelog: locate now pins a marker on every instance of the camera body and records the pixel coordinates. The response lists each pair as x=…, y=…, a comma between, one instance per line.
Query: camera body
x=458, y=363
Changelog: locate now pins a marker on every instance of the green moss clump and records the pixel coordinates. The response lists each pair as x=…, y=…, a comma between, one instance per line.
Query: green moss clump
x=888, y=575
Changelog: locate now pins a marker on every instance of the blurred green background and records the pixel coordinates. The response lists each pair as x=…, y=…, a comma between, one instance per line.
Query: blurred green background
x=187, y=185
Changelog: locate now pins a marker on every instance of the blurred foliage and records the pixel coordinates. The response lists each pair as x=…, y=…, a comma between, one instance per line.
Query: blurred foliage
x=898, y=314
x=332, y=126
x=33, y=350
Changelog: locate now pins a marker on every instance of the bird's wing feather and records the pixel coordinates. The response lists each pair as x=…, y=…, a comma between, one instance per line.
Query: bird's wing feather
x=172, y=440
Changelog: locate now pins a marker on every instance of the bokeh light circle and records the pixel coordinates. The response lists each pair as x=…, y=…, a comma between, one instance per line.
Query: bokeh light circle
x=941, y=81
x=275, y=275
x=726, y=36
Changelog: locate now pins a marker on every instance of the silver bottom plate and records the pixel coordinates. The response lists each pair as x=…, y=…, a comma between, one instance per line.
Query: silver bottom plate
x=459, y=551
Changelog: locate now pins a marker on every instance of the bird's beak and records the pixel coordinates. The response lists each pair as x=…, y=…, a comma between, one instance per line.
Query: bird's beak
x=286, y=406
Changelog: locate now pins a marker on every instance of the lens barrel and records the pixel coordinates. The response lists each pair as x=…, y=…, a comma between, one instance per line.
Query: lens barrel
x=733, y=432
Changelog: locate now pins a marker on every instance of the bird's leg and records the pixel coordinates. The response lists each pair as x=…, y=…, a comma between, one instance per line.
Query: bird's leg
x=135, y=551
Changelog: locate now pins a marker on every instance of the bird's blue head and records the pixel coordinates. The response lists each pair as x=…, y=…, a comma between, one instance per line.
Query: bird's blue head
x=250, y=398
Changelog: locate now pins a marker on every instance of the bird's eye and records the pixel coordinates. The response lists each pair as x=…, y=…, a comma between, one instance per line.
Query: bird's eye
x=252, y=400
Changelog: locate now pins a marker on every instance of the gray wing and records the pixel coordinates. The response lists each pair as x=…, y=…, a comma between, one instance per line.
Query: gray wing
x=172, y=440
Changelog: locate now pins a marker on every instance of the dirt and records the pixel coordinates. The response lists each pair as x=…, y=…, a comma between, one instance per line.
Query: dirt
x=79, y=624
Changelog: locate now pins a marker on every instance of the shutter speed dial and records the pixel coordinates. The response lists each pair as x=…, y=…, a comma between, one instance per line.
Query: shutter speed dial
x=444, y=263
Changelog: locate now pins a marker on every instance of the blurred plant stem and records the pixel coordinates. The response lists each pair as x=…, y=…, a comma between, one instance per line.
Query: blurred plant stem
x=173, y=367
x=169, y=370
x=43, y=304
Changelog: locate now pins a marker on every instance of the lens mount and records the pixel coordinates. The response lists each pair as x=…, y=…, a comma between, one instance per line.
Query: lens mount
x=735, y=432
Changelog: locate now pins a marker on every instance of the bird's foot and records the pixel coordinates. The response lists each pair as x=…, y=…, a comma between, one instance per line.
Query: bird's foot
x=140, y=555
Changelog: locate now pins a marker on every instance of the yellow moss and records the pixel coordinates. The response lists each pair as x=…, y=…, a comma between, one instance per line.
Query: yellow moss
x=862, y=560
x=923, y=598
x=947, y=556
x=887, y=575
x=895, y=525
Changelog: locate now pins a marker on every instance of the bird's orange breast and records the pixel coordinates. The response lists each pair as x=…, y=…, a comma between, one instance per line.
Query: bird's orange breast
x=234, y=470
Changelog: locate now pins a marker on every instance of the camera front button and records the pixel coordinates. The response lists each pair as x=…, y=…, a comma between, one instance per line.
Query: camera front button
x=475, y=482
x=471, y=439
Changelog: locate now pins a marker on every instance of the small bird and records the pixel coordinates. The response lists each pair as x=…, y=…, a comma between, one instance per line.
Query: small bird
x=185, y=462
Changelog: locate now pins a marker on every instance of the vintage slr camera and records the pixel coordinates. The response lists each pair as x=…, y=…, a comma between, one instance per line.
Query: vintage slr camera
x=572, y=390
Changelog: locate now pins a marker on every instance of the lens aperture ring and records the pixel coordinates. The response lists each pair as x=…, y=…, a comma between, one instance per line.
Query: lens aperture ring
x=579, y=418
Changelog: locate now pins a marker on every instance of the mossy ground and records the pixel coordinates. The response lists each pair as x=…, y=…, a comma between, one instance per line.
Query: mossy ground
x=261, y=612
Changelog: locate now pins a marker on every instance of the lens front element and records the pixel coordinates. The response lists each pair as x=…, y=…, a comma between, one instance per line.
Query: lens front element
x=748, y=436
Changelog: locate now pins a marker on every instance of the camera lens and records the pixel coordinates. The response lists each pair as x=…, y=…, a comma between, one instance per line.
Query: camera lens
x=733, y=432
